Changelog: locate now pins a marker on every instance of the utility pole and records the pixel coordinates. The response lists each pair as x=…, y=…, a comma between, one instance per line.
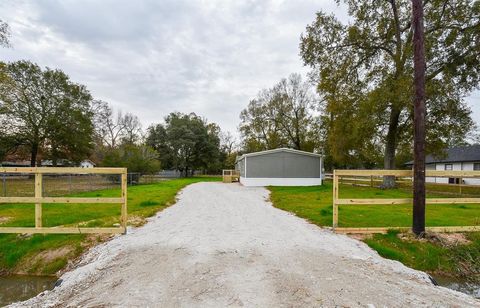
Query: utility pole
x=419, y=119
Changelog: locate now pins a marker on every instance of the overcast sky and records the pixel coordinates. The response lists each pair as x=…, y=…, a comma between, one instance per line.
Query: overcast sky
x=154, y=57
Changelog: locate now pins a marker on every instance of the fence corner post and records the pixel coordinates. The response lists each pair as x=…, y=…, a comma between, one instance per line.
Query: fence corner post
x=124, y=217
x=334, y=199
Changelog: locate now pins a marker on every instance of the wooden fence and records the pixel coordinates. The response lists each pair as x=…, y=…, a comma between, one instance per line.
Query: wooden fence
x=39, y=199
x=398, y=173
x=230, y=176
x=406, y=182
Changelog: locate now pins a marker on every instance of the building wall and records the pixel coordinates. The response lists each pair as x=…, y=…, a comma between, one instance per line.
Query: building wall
x=282, y=165
x=240, y=166
x=280, y=181
x=470, y=181
x=467, y=166
x=86, y=164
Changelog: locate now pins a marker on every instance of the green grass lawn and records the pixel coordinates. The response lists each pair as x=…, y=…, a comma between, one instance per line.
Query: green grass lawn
x=430, y=255
x=315, y=205
x=46, y=254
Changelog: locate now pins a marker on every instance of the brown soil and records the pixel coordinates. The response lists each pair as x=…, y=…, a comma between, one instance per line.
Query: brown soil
x=91, y=241
x=444, y=239
x=34, y=265
x=452, y=239
x=360, y=237
x=4, y=219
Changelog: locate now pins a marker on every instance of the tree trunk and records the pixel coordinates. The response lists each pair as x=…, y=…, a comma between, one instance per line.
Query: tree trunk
x=419, y=120
x=54, y=158
x=390, y=148
x=33, y=155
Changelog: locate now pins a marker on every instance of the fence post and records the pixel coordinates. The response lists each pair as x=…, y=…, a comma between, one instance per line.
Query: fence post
x=38, y=194
x=4, y=184
x=335, y=198
x=124, y=204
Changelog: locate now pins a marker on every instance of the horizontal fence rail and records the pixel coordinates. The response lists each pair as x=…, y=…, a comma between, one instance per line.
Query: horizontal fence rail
x=337, y=174
x=39, y=199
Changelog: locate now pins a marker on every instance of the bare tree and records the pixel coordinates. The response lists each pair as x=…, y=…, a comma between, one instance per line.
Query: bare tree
x=132, y=129
x=110, y=129
x=228, y=142
x=295, y=101
x=4, y=34
x=259, y=131
x=282, y=116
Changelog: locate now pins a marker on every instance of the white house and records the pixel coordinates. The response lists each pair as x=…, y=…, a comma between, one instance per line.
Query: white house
x=466, y=158
x=87, y=163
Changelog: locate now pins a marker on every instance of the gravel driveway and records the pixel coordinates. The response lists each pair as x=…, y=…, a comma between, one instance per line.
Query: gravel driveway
x=225, y=245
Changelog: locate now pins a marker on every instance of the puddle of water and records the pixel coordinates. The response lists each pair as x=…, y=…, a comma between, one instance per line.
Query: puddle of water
x=461, y=285
x=19, y=287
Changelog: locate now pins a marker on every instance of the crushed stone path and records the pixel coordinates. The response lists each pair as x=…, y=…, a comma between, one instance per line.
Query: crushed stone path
x=225, y=245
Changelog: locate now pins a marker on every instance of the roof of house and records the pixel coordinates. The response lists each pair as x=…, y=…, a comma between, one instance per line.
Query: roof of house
x=277, y=151
x=456, y=154
x=60, y=163
x=88, y=161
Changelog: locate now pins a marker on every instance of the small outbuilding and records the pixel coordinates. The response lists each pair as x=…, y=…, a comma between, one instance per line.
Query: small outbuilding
x=280, y=167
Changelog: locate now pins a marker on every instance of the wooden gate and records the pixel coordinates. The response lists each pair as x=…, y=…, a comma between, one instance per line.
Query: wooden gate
x=39, y=199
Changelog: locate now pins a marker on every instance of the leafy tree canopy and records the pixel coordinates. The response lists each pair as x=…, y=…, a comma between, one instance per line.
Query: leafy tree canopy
x=186, y=142
x=364, y=72
x=136, y=158
x=44, y=112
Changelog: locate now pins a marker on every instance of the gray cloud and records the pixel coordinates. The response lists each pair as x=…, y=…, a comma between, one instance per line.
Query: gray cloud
x=154, y=57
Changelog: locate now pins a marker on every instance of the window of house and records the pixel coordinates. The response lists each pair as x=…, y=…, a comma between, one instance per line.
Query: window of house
x=448, y=167
x=476, y=166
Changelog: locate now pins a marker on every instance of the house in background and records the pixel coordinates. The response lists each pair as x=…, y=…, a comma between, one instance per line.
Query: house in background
x=464, y=158
x=280, y=167
x=60, y=163
x=87, y=163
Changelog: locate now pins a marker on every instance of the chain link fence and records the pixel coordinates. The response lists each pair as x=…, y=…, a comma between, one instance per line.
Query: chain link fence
x=22, y=185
